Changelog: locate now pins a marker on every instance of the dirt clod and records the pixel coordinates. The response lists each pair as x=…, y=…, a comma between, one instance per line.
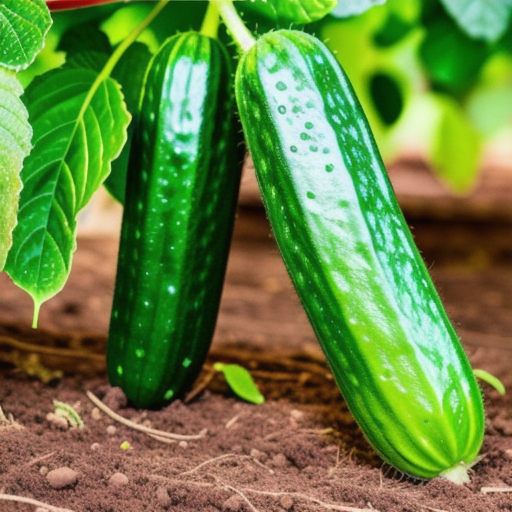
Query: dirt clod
x=62, y=477
x=163, y=497
x=118, y=480
x=115, y=399
x=234, y=503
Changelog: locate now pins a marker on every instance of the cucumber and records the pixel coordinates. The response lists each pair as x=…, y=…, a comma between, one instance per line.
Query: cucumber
x=182, y=188
x=349, y=252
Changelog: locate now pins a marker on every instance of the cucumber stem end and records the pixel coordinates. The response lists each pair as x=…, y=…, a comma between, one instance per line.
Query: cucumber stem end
x=210, y=26
x=458, y=473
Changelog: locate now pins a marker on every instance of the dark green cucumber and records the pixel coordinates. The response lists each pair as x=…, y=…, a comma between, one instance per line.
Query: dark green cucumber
x=393, y=351
x=182, y=187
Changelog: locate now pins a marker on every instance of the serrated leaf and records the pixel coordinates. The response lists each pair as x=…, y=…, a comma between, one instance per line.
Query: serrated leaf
x=129, y=72
x=241, y=382
x=346, y=8
x=15, y=145
x=481, y=19
x=23, y=27
x=79, y=121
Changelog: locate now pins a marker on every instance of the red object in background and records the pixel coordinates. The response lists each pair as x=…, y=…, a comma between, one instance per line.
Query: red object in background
x=59, y=5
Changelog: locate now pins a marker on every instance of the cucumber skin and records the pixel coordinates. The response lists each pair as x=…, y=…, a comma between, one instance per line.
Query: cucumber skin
x=182, y=189
x=349, y=252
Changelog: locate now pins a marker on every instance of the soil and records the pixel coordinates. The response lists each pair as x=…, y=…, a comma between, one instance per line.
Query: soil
x=300, y=451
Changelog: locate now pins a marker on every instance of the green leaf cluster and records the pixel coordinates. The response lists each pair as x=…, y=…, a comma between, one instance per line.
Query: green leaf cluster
x=23, y=27
x=433, y=74
x=52, y=165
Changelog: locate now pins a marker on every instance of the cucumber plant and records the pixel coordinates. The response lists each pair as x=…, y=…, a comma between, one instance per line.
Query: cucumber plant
x=394, y=354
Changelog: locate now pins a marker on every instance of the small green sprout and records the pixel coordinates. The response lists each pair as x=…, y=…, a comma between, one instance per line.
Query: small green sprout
x=490, y=379
x=125, y=446
x=69, y=413
x=241, y=382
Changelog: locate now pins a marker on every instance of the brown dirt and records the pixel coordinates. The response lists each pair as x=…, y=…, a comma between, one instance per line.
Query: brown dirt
x=300, y=451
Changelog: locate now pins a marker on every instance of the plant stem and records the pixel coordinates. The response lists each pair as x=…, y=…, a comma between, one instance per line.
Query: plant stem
x=37, y=309
x=210, y=26
x=239, y=32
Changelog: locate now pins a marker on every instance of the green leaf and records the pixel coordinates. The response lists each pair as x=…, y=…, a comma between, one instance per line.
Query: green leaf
x=15, y=137
x=87, y=60
x=387, y=97
x=23, y=27
x=129, y=72
x=456, y=148
x=292, y=11
x=346, y=8
x=438, y=127
x=84, y=37
x=394, y=29
x=491, y=380
x=490, y=107
x=79, y=121
x=399, y=20
x=240, y=381
x=480, y=19
x=452, y=60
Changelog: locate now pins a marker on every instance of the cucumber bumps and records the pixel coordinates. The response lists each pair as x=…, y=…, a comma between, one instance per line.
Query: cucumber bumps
x=182, y=188
x=394, y=354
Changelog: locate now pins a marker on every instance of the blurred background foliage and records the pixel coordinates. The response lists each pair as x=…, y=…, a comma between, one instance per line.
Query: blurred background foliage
x=433, y=76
